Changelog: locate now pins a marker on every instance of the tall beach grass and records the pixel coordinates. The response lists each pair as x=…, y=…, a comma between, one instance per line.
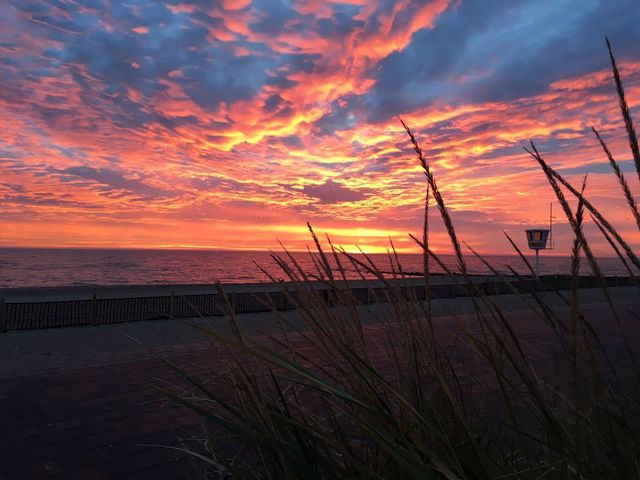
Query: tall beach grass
x=415, y=396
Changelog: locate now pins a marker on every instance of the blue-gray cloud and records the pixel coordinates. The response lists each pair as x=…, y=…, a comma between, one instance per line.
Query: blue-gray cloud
x=492, y=50
x=112, y=181
x=333, y=192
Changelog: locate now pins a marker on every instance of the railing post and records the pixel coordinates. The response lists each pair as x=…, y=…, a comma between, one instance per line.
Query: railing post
x=172, y=306
x=94, y=310
x=286, y=302
x=3, y=315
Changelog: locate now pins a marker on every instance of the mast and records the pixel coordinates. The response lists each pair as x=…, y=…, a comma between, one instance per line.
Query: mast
x=551, y=225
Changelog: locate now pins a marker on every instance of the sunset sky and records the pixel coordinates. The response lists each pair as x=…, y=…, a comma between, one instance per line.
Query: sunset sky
x=230, y=124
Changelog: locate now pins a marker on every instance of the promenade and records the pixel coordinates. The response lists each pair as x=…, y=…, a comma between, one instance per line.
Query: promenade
x=76, y=402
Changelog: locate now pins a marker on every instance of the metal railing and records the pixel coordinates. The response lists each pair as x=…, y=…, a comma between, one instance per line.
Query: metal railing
x=93, y=310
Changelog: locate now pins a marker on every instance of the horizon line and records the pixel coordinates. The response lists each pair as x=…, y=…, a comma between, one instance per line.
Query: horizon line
x=251, y=250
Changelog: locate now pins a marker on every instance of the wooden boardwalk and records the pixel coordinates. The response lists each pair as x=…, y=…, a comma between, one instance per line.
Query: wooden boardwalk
x=92, y=422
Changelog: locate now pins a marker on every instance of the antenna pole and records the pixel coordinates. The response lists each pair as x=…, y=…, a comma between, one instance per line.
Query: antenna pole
x=551, y=225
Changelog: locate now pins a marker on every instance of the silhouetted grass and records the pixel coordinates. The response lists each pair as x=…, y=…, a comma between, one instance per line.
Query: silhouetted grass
x=421, y=397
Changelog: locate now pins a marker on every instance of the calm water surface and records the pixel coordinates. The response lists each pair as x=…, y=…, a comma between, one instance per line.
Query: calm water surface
x=58, y=267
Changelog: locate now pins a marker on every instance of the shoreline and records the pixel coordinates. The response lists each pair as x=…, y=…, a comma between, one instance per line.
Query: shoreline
x=73, y=292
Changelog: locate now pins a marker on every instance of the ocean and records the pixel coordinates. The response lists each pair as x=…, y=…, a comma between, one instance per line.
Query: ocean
x=31, y=267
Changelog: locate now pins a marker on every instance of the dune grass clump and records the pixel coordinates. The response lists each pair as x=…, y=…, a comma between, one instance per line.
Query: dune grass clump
x=415, y=396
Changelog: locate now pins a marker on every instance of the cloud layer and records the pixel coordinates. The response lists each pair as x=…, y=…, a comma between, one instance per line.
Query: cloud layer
x=229, y=124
